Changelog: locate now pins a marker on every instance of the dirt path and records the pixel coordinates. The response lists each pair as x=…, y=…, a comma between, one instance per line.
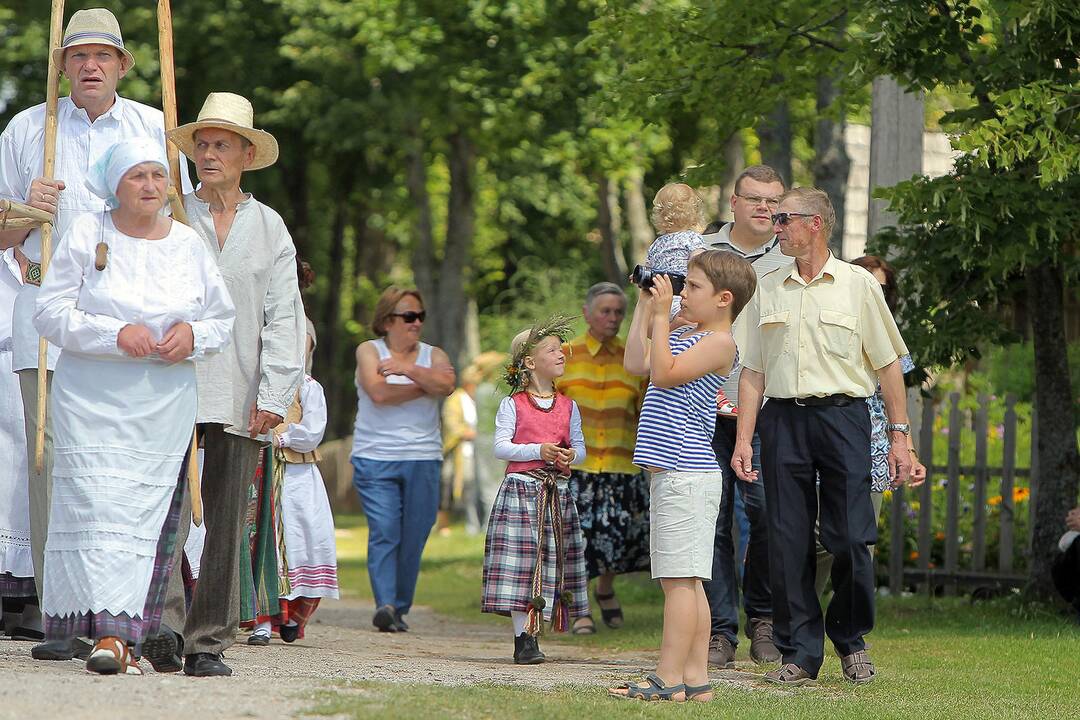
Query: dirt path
x=282, y=681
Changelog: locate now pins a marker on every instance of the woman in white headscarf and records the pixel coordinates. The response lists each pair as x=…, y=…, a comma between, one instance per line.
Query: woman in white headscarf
x=131, y=298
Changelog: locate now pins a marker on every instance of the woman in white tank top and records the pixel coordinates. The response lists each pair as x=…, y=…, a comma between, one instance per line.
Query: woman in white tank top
x=397, y=448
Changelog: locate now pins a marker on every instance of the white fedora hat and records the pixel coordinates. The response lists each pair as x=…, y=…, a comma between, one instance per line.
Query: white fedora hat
x=96, y=26
x=232, y=112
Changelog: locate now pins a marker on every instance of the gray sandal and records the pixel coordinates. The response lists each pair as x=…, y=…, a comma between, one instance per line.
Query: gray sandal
x=692, y=691
x=656, y=690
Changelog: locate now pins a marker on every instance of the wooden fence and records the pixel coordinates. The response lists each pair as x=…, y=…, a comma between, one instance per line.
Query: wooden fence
x=979, y=570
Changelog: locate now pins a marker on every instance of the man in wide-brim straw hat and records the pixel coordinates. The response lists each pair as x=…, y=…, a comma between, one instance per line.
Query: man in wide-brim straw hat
x=245, y=392
x=89, y=121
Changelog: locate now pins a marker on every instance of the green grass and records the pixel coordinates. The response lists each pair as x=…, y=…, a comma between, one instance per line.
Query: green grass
x=937, y=658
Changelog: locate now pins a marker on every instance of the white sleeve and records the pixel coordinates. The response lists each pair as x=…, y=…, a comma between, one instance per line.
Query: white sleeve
x=306, y=435
x=577, y=437
x=212, y=332
x=505, y=424
x=57, y=318
x=13, y=185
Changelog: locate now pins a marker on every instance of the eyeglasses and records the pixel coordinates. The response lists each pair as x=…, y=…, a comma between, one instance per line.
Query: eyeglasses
x=784, y=219
x=411, y=316
x=756, y=200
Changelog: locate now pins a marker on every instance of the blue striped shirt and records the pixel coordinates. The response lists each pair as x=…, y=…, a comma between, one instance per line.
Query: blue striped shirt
x=675, y=427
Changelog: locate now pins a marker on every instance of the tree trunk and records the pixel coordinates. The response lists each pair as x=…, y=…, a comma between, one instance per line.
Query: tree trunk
x=1058, y=456
x=637, y=218
x=423, y=255
x=774, y=135
x=896, y=144
x=831, y=162
x=609, y=219
x=450, y=312
x=294, y=176
x=329, y=347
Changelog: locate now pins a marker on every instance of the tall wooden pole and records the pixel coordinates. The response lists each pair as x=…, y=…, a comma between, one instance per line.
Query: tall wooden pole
x=168, y=107
x=52, y=99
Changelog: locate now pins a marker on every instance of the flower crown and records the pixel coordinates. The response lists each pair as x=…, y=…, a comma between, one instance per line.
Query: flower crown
x=516, y=376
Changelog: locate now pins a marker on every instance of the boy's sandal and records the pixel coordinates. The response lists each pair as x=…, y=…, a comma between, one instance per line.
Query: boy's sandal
x=694, y=691
x=858, y=668
x=584, y=625
x=612, y=617
x=655, y=690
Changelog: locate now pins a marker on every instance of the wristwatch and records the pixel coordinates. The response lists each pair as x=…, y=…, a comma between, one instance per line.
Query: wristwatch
x=899, y=427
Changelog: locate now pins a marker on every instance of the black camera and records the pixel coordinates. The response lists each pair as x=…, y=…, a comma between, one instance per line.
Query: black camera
x=644, y=276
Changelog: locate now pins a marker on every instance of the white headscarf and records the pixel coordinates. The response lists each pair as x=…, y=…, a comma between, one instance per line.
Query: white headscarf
x=104, y=177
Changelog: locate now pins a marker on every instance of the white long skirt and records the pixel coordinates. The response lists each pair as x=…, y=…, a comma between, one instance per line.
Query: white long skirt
x=310, y=549
x=121, y=429
x=15, y=557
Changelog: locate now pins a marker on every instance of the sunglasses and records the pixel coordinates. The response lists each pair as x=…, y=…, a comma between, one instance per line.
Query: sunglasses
x=784, y=218
x=411, y=316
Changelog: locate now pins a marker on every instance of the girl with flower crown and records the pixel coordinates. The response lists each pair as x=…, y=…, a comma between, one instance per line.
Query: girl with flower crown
x=534, y=556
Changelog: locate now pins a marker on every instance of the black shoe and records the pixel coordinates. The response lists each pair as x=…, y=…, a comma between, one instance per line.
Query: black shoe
x=258, y=639
x=205, y=665
x=399, y=621
x=26, y=634
x=527, y=651
x=61, y=650
x=384, y=619
x=289, y=633
x=164, y=651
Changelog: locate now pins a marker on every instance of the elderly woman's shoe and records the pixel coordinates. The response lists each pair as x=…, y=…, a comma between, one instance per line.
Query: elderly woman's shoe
x=111, y=656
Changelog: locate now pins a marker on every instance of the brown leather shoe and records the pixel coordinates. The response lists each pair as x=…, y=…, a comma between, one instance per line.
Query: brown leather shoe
x=791, y=675
x=721, y=652
x=762, y=649
x=858, y=668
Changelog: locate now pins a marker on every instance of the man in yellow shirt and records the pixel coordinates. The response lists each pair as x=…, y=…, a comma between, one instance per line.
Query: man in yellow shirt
x=817, y=340
x=611, y=493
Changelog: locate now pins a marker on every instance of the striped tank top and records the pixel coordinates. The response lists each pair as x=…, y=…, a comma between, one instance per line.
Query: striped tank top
x=676, y=425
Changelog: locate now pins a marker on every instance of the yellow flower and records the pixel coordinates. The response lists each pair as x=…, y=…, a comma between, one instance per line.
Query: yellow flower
x=996, y=500
x=1021, y=494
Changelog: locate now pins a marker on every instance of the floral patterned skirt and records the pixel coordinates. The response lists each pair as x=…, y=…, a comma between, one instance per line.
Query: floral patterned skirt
x=614, y=513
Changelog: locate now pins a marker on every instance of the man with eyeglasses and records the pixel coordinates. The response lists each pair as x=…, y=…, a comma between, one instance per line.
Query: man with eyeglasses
x=820, y=337
x=757, y=195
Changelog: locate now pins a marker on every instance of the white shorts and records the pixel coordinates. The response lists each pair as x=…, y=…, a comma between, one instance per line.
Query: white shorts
x=683, y=506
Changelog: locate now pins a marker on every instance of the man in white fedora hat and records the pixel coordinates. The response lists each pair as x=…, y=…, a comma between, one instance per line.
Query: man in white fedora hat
x=89, y=121
x=243, y=392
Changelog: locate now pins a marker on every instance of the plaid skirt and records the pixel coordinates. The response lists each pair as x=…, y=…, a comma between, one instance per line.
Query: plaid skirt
x=510, y=552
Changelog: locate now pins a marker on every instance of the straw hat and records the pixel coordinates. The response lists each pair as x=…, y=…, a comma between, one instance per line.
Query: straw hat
x=232, y=112
x=96, y=26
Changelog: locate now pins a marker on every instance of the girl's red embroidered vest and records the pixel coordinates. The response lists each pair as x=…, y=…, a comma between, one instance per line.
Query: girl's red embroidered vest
x=536, y=425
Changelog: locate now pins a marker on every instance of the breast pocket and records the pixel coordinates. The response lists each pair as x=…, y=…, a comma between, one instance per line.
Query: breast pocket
x=775, y=331
x=838, y=332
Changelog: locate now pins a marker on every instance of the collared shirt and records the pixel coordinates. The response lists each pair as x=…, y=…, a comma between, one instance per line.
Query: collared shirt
x=79, y=144
x=265, y=362
x=823, y=337
x=609, y=399
x=764, y=259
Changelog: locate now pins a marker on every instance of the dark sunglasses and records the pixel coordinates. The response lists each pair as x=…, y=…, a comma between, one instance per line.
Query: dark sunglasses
x=411, y=316
x=785, y=218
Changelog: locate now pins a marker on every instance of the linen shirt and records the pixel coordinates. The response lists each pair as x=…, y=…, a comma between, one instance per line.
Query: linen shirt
x=764, y=260
x=823, y=337
x=265, y=363
x=609, y=399
x=153, y=283
x=79, y=144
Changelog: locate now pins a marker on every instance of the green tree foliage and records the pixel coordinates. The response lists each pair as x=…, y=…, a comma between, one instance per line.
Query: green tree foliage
x=1002, y=226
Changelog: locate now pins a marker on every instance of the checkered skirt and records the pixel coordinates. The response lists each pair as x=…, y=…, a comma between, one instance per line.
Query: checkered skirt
x=510, y=551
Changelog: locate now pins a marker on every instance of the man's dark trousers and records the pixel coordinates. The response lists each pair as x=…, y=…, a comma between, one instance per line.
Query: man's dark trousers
x=723, y=590
x=799, y=445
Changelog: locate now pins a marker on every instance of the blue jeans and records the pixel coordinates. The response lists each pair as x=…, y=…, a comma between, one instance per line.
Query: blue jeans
x=722, y=590
x=400, y=499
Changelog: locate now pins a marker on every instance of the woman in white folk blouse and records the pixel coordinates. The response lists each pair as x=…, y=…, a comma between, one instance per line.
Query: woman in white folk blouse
x=131, y=298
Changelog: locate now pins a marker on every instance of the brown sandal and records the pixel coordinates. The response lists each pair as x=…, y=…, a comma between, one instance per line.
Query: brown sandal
x=791, y=675
x=111, y=656
x=858, y=668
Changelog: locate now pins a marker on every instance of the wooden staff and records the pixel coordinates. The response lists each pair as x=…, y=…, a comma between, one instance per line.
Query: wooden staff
x=14, y=214
x=176, y=203
x=52, y=99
